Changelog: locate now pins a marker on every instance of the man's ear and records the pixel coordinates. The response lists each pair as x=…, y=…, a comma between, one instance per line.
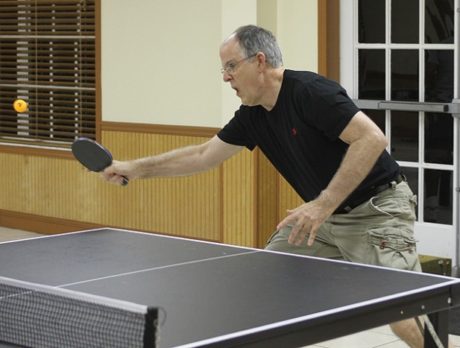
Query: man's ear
x=261, y=60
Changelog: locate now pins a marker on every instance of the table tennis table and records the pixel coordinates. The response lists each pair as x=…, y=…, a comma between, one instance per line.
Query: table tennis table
x=208, y=294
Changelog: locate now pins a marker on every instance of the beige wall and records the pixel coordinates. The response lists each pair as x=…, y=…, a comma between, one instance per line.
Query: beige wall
x=157, y=56
x=298, y=33
x=233, y=14
x=160, y=61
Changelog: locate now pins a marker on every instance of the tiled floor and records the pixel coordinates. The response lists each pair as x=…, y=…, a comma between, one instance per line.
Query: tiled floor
x=380, y=337
x=12, y=234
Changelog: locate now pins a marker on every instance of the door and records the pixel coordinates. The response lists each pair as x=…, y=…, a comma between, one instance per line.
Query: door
x=399, y=62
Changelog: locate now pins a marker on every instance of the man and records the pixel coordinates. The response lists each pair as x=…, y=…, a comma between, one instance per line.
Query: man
x=358, y=206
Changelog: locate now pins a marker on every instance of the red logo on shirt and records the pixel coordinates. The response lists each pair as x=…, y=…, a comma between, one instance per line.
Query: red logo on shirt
x=294, y=131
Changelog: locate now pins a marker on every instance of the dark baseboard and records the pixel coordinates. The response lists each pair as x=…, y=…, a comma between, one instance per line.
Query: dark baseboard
x=41, y=224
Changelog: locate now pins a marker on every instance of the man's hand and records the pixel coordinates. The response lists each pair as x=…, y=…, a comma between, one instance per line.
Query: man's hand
x=119, y=171
x=305, y=220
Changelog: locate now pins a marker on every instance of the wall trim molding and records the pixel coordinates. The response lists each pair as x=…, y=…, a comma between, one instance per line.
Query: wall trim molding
x=35, y=151
x=193, y=131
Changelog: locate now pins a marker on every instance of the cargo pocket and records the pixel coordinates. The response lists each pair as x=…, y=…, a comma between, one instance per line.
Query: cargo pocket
x=393, y=249
x=401, y=207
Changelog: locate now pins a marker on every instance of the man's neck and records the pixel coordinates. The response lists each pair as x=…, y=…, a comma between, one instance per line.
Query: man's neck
x=273, y=82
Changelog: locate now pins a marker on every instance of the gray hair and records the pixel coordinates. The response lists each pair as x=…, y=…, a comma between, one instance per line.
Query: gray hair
x=253, y=39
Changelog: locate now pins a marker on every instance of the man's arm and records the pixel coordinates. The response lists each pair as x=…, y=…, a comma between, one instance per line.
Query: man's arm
x=366, y=143
x=183, y=161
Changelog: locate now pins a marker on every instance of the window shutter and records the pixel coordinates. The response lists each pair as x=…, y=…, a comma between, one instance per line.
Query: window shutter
x=48, y=59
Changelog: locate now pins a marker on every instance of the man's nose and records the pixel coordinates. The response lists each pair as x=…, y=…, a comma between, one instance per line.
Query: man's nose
x=226, y=76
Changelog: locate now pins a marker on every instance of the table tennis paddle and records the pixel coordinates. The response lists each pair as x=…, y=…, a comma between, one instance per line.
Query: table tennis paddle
x=93, y=155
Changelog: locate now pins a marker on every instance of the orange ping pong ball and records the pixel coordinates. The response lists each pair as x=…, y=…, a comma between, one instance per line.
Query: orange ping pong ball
x=20, y=105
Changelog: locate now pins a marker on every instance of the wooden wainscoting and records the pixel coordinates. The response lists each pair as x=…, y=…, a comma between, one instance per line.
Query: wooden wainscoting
x=239, y=202
x=288, y=198
x=39, y=189
x=183, y=206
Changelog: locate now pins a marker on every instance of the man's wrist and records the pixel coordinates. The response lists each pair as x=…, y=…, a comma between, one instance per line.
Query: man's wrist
x=329, y=200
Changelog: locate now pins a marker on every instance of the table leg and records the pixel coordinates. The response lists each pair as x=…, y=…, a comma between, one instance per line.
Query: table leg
x=440, y=323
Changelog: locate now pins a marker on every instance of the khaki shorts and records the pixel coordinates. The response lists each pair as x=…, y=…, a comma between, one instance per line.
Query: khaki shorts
x=378, y=232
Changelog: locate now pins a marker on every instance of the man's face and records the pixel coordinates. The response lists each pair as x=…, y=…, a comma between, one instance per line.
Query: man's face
x=240, y=71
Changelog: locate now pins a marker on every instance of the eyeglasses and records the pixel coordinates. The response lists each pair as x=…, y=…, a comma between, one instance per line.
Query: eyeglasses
x=231, y=67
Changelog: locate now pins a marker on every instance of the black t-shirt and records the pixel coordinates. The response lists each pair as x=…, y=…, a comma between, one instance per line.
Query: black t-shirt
x=300, y=135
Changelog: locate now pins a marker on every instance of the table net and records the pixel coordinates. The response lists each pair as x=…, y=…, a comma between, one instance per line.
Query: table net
x=34, y=315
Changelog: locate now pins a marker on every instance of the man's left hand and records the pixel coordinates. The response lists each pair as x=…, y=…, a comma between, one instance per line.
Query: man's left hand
x=305, y=220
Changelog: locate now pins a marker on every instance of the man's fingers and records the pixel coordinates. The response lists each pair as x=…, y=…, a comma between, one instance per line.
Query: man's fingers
x=286, y=221
x=113, y=174
x=114, y=178
x=303, y=232
x=293, y=235
x=312, y=236
x=298, y=232
x=119, y=180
